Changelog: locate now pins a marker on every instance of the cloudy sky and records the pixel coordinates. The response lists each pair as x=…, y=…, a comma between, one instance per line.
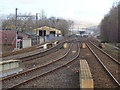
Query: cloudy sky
x=83, y=12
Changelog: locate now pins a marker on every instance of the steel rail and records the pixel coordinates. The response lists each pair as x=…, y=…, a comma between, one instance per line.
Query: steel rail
x=116, y=81
x=33, y=49
x=52, y=48
x=15, y=76
x=47, y=72
x=29, y=70
x=106, y=53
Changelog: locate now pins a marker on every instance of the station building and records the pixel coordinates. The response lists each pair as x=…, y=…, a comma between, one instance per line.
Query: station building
x=46, y=31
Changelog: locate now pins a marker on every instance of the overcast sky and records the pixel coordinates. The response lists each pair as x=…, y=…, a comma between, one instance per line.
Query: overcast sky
x=83, y=12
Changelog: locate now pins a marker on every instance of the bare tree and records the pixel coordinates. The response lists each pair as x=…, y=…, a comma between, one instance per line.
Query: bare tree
x=109, y=25
x=28, y=24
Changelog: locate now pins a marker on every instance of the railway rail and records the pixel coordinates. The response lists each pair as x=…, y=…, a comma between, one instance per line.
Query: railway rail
x=29, y=49
x=44, y=53
x=110, y=64
x=21, y=51
x=45, y=59
x=35, y=51
x=106, y=53
x=35, y=72
x=39, y=59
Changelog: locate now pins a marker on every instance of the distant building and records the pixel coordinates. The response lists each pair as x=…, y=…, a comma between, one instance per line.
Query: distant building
x=8, y=37
x=46, y=34
x=45, y=31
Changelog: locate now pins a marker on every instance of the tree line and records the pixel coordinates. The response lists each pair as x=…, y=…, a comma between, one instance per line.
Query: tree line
x=27, y=24
x=109, y=25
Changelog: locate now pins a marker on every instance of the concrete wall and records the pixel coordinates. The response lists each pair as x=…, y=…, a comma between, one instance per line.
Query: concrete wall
x=27, y=42
x=49, y=38
x=47, y=32
x=8, y=66
x=41, y=40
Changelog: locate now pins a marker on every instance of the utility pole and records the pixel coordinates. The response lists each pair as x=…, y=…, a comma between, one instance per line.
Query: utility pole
x=36, y=26
x=72, y=30
x=16, y=26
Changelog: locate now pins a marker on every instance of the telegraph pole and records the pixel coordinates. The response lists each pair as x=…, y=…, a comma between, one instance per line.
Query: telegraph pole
x=36, y=26
x=16, y=26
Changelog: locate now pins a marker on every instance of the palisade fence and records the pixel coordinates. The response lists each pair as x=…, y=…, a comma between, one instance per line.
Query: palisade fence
x=52, y=38
x=46, y=39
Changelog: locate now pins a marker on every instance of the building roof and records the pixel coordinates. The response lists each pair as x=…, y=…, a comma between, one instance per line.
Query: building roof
x=48, y=29
x=9, y=36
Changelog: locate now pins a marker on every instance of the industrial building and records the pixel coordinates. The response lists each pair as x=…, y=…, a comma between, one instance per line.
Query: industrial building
x=45, y=31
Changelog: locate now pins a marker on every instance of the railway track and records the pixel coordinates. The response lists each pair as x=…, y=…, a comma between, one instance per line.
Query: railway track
x=42, y=54
x=32, y=54
x=110, y=65
x=24, y=77
x=117, y=61
x=45, y=52
x=24, y=50
x=36, y=60
x=45, y=59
